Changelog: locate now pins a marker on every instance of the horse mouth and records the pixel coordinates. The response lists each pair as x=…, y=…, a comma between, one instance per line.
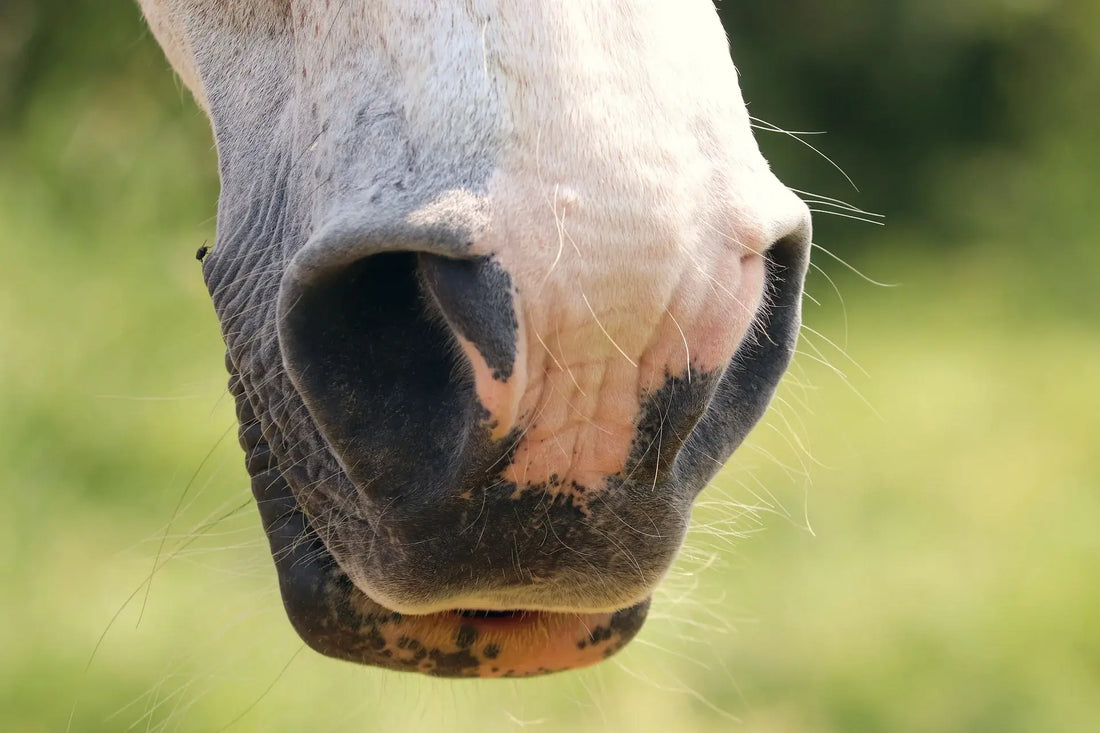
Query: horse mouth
x=505, y=644
x=336, y=618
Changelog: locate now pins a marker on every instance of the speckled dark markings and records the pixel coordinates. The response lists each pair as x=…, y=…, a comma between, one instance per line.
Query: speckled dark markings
x=475, y=296
x=323, y=604
x=466, y=636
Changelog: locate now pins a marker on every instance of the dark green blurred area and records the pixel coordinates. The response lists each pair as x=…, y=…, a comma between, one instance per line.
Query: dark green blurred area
x=939, y=437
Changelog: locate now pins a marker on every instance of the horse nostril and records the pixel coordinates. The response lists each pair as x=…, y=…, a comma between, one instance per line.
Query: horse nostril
x=374, y=368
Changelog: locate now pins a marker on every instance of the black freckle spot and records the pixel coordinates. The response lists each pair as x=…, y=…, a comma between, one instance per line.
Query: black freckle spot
x=466, y=637
x=492, y=651
x=387, y=653
x=375, y=640
x=454, y=664
x=496, y=669
x=582, y=644
x=598, y=634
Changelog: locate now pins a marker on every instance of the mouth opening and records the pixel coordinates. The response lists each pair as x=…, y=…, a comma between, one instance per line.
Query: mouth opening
x=483, y=615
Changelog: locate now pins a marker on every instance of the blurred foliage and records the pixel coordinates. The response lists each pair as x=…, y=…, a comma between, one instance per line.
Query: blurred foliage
x=907, y=88
x=949, y=579
x=919, y=98
x=62, y=47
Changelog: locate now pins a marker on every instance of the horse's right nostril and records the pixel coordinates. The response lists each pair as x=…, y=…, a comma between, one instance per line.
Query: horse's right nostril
x=748, y=384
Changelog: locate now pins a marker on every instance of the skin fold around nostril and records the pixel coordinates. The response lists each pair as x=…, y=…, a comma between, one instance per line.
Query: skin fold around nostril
x=475, y=296
x=478, y=302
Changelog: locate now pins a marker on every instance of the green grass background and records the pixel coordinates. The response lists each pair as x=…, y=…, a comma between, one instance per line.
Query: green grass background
x=910, y=542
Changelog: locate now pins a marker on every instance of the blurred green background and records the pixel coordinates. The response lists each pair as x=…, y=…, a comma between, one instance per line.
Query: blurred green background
x=909, y=543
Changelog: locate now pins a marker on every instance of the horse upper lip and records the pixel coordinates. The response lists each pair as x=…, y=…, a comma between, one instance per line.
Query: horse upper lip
x=336, y=618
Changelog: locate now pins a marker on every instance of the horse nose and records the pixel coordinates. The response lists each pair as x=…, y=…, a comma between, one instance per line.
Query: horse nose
x=368, y=323
x=406, y=351
x=557, y=413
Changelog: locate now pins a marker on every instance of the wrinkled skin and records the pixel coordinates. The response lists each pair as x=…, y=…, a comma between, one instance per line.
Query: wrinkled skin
x=503, y=283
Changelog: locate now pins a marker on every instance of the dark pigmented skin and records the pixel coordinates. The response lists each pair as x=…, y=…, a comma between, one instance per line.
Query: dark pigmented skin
x=399, y=410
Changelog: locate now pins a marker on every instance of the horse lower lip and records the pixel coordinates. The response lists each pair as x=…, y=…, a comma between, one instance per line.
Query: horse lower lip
x=519, y=643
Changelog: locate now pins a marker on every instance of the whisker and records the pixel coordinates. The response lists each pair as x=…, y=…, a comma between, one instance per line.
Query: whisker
x=854, y=269
x=769, y=127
